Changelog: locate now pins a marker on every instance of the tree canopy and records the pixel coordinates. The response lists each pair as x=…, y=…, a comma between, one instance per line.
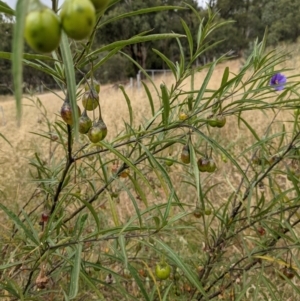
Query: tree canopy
x=250, y=18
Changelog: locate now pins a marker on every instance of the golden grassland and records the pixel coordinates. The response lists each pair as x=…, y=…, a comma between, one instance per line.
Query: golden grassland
x=16, y=182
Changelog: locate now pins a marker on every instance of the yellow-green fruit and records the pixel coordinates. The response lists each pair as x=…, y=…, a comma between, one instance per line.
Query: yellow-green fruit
x=100, y=5
x=221, y=121
x=97, y=266
x=42, y=30
x=211, y=167
x=212, y=122
x=169, y=161
x=98, y=131
x=203, y=164
x=217, y=121
x=96, y=85
x=124, y=173
x=78, y=18
x=198, y=213
x=90, y=100
x=293, y=174
x=207, y=212
x=66, y=112
x=183, y=116
x=85, y=123
x=162, y=271
x=274, y=159
x=185, y=155
x=287, y=272
x=114, y=194
x=256, y=160
x=224, y=158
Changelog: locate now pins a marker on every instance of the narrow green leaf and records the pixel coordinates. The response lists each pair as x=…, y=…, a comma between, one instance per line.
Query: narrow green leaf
x=200, y=35
x=113, y=210
x=75, y=272
x=70, y=78
x=224, y=151
x=27, y=56
x=93, y=212
x=44, y=69
x=88, y=281
x=195, y=11
x=17, y=50
x=139, y=190
x=255, y=135
x=166, y=104
x=168, y=207
x=169, y=63
x=181, y=66
x=282, y=136
x=140, y=12
x=204, y=84
x=103, y=165
x=189, y=36
x=102, y=61
x=166, y=297
x=142, y=70
x=1, y=135
x=122, y=244
x=133, y=200
x=225, y=77
x=19, y=223
x=4, y=8
x=224, y=82
x=66, y=296
x=13, y=264
x=32, y=228
x=126, y=161
x=189, y=274
x=128, y=105
x=196, y=174
x=134, y=40
x=149, y=98
x=159, y=168
x=190, y=98
x=270, y=287
x=138, y=281
x=80, y=223
x=12, y=287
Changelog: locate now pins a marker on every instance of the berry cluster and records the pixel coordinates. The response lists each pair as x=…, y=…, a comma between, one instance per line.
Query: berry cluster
x=77, y=18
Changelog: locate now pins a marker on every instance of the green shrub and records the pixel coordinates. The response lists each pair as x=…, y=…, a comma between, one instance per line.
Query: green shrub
x=106, y=217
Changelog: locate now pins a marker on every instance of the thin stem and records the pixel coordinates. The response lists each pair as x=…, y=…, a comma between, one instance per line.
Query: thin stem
x=70, y=160
x=54, y=5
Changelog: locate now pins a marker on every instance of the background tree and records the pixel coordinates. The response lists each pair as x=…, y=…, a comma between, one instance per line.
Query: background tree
x=5, y=45
x=250, y=19
x=32, y=77
x=156, y=22
x=282, y=19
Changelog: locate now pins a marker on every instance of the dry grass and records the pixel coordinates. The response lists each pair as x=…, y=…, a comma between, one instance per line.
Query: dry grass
x=16, y=180
x=14, y=169
x=14, y=160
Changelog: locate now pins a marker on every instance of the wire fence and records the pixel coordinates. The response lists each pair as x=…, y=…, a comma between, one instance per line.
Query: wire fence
x=152, y=72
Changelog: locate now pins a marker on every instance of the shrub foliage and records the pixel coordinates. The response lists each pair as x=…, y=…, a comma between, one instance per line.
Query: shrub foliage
x=175, y=188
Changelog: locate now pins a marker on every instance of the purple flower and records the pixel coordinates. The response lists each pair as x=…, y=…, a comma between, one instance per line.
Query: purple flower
x=278, y=81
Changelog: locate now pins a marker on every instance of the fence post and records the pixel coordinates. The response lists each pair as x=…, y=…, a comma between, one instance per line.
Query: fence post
x=131, y=82
x=3, y=117
x=138, y=80
x=41, y=89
